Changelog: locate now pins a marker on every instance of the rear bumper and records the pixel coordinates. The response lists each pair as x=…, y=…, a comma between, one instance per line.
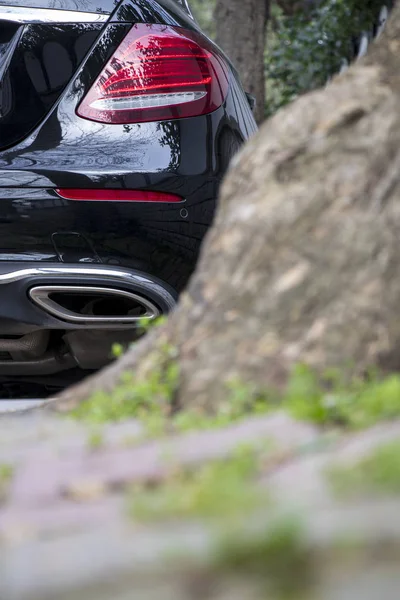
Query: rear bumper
x=36, y=225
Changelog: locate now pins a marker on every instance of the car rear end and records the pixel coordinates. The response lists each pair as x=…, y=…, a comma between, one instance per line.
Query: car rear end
x=117, y=124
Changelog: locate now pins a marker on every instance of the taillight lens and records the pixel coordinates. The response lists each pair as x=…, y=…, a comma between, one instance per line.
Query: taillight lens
x=107, y=195
x=157, y=73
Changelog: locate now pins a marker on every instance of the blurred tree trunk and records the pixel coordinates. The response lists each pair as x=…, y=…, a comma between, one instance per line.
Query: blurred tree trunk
x=241, y=33
x=302, y=262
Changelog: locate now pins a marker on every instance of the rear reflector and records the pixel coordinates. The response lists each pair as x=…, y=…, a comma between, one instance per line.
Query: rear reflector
x=117, y=195
x=157, y=73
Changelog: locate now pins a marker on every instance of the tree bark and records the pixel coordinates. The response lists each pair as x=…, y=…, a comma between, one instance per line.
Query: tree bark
x=241, y=33
x=302, y=263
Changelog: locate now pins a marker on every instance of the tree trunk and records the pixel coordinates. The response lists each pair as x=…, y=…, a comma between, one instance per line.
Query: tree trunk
x=302, y=263
x=241, y=33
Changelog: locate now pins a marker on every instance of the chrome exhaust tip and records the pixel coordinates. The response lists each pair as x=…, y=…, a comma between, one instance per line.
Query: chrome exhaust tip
x=94, y=306
x=59, y=321
x=69, y=297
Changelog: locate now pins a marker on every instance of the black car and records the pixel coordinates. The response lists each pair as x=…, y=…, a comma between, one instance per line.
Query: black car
x=118, y=120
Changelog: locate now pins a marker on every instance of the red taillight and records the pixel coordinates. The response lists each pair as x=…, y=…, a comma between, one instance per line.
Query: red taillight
x=157, y=73
x=117, y=195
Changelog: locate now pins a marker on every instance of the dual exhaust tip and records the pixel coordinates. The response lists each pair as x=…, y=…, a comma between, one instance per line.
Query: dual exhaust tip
x=84, y=297
x=94, y=306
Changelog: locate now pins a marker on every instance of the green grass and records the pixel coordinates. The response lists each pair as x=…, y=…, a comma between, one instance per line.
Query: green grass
x=221, y=489
x=329, y=401
x=149, y=399
x=377, y=473
x=332, y=400
x=276, y=556
x=6, y=475
x=95, y=439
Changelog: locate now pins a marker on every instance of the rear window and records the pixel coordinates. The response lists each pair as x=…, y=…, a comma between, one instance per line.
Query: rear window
x=98, y=6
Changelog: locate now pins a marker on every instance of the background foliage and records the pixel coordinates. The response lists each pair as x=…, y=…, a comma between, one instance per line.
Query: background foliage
x=305, y=50
x=305, y=47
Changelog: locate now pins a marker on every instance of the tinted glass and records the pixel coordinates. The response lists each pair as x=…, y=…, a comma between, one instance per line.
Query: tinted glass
x=102, y=6
x=35, y=67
